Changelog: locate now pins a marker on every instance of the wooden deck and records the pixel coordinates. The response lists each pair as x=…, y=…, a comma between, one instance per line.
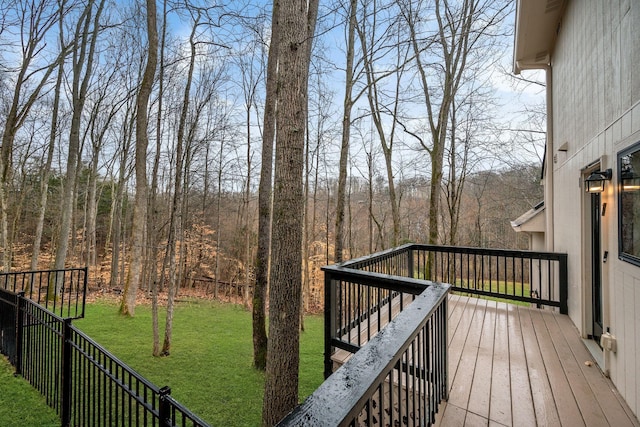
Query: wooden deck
x=517, y=366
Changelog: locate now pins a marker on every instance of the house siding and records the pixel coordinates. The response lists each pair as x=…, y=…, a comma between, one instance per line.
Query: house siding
x=596, y=111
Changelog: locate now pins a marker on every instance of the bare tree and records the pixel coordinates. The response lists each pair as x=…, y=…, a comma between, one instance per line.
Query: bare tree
x=35, y=19
x=251, y=65
x=117, y=215
x=46, y=169
x=153, y=226
x=346, y=131
x=83, y=55
x=296, y=27
x=381, y=107
x=128, y=304
x=441, y=59
x=176, y=230
x=264, y=199
x=470, y=130
x=107, y=101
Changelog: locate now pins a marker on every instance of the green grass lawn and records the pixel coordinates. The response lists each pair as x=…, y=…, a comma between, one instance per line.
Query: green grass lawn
x=210, y=367
x=21, y=404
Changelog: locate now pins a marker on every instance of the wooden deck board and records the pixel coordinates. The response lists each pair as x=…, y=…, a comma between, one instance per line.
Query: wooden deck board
x=589, y=407
x=500, y=409
x=610, y=404
x=568, y=410
x=479, y=402
x=452, y=416
x=520, y=366
x=523, y=413
x=544, y=405
x=463, y=373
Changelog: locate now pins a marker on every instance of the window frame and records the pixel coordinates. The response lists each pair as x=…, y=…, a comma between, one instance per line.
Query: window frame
x=622, y=255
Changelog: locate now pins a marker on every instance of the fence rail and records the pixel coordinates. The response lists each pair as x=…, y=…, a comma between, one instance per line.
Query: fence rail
x=536, y=278
x=398, y=378
x=364, y=294
x=83, y=382
x=62, y=292
x=368, y=297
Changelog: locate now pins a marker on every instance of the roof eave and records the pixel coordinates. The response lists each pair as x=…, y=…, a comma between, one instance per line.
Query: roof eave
x=536, y=29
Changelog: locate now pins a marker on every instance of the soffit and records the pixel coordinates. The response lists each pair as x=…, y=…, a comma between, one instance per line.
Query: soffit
x=537, y=24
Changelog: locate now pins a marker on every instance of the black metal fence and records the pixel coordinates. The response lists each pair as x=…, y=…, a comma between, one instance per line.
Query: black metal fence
x=8, y=326
x=62, y=292
x=536, y=278
x=399, y=377
x=83, y=382
x=371, y=298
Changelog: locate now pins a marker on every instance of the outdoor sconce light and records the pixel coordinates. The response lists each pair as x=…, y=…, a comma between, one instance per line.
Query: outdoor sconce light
x=630, y=181
x=595, y=182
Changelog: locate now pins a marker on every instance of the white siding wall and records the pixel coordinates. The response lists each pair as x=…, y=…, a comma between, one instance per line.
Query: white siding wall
x=596, y=95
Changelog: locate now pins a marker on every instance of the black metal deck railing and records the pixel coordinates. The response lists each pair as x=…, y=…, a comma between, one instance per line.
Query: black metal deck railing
x=536, y=278
x=83, y=382
x=364, y=294
x=62, y=292
x=398, y=378
x=386, y=334
x=370, y=300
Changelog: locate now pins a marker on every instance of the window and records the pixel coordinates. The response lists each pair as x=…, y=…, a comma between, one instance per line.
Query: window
x=629, y=204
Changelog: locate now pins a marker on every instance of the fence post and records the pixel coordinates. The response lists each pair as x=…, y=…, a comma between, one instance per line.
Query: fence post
x=164, y=412
x=444, y=343
x=564, y=285
x=65, y=411
x=84, y=289
x=410, y=262
x=329, y=321
x=20, y=303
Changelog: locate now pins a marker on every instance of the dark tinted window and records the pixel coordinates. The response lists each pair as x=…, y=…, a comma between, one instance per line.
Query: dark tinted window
x=629, y=204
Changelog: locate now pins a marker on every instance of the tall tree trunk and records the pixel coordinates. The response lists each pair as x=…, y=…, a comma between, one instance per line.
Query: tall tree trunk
x=36, y=27
x=304, y=301
x=247, y=219
x=377, y=110
x=296, y=25
x=153, y=225
x=102, y=114
x=459, y=30
x=132, y=283
x=117, y=206
x=264, y=201
x=92, y=211
x=86, y=38
x=216, y=284
x=46, y=170
x=176, y=240
x=346, y=132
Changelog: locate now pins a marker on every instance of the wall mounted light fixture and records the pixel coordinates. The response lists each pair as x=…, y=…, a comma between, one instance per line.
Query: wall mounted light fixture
x=594, y=183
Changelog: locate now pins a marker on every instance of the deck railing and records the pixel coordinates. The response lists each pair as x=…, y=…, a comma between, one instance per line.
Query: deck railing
x=536, y=278
x=525, y=277
x=62, y=292
x=386, y=334
x=83, y=382
x=399, y=377
x=364, y=294
x=386, y=340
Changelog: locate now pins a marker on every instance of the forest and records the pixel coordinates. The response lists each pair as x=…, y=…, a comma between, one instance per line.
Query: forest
x=69, y=75
x=137, y=138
